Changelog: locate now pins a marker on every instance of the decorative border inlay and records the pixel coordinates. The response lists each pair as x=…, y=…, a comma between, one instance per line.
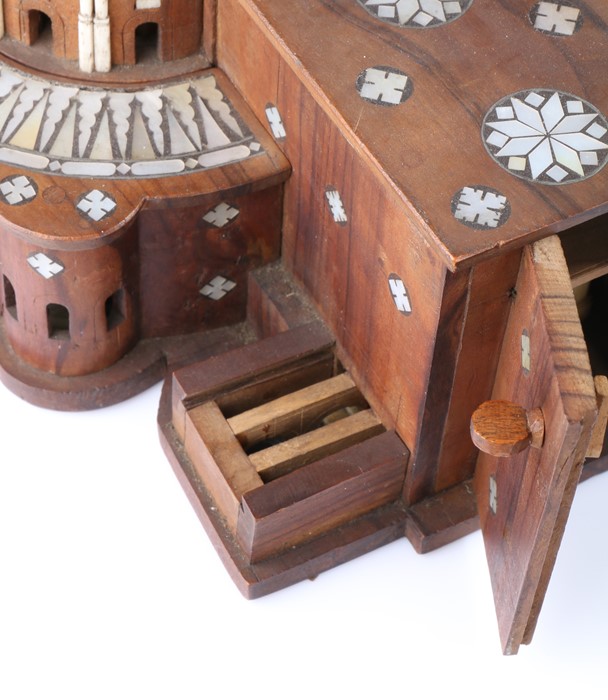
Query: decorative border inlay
x=480, y=207
x=418, y=14
x=400, y=295
x=382, y=85
x=546, y=136
x=18, y=189
x=556, y=18
x=83, y=131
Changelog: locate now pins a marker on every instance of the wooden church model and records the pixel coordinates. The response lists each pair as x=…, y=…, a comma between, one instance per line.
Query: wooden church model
x=347, y=233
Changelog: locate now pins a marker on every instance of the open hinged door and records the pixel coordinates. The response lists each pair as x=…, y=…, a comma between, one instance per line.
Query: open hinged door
x=524, y=499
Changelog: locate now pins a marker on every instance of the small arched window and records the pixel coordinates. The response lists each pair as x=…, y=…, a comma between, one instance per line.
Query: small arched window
x=58, y=321
x=41, y=29
x=10, y=298
x=115, y=309
x=147, y=42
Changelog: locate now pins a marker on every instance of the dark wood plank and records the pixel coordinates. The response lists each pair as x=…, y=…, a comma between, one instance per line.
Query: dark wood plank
x=442, y=518
x=524, y=500
x=280, y=459
x=219, y=460
x=258, y=362
x=276, y=302
x=296, y=412
x=322, y=496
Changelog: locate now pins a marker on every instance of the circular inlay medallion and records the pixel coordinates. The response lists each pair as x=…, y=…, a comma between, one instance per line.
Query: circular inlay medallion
x=417, y=13
x=546, y=136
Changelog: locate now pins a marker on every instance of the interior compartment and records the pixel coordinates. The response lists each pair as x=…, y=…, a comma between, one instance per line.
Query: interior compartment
x=586, y=250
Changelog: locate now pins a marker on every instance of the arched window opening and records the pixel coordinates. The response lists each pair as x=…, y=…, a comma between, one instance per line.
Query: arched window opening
x=41, y=30
x=147, y=42
x=115, y=309
x=10, y=298
x=58, y=321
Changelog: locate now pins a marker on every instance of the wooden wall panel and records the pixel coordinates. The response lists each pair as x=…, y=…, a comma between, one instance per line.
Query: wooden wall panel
x=344, y=265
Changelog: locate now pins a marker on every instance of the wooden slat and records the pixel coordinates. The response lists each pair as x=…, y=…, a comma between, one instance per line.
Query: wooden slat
x=242, y=367
x=219, y=459
x=295, y=412
x=596, y=444
x=312, y=500
x=279, y=459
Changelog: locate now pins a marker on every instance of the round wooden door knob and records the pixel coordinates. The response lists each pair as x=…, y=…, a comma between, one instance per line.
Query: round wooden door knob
x=502, y=428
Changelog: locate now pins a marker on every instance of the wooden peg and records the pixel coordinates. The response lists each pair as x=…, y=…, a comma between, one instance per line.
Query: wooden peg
x=502, y=428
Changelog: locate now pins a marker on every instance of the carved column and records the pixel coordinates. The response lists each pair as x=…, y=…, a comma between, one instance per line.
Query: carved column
x=85, y=36
x=103, y=51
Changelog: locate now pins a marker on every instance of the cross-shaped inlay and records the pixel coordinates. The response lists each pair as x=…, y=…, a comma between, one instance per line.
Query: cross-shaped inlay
x=18, y=189
x=217, y=288
x=556, y=18
x=480, y=207
x=45, y=266
x=400, y=294
x=525, y=351
x=493, y=495
x=221, y=215
x=275, y=121
x=336, y=207
x=384, y=86
x=96, y=204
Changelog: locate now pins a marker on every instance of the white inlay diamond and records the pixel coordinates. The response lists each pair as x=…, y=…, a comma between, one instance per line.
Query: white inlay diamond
x=96, y=205
x=384, y=86
x=399, y=294
x=480, y=207
x=276, y=122
x=556, y=18
x=533, y=99
x=416, y=13
x=557, y=173
x=574, y=107
x=217, y=288
x=336, y=207
x=44, y=265
x=596, y=130
x=549, y=138
x=221, y=215
x=18, y=189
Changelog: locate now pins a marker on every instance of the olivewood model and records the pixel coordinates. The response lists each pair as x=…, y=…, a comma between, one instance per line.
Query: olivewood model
x=347, y=233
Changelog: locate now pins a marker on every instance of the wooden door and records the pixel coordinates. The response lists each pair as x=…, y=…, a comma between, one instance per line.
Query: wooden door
x=524, y=499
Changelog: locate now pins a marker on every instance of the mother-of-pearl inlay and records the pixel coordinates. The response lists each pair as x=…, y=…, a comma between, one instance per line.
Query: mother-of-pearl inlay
x=546, y=136
x=107, y=133
x=417, y=13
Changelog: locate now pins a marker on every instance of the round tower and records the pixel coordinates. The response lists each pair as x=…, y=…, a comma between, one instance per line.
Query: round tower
x=101, y=34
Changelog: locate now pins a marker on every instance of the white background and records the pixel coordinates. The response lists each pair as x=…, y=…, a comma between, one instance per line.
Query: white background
x=110, y=589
